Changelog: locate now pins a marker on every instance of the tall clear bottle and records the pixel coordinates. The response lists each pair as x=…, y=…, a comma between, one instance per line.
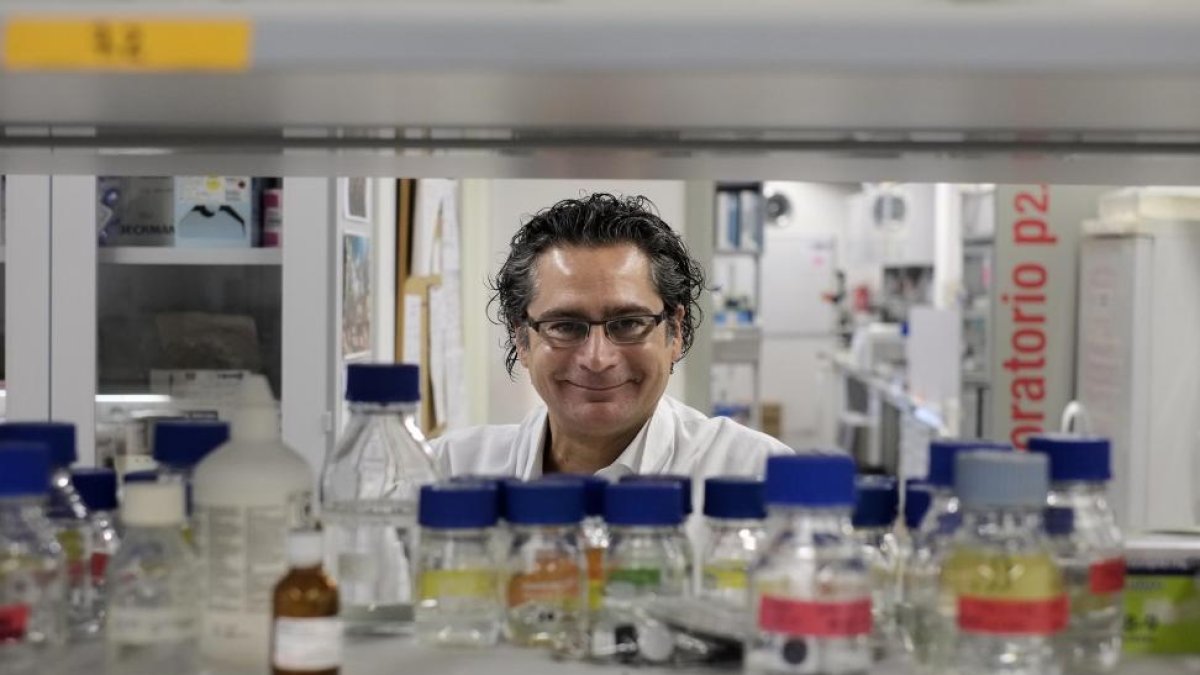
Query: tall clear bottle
x=812, y=591
x=98, y=489
x=1002, y=596
x=369, y=490
x=32, y=566
x=734, y=510
x=67, y=513
x=1080, y=469
x=153, y=623
x=873, y=519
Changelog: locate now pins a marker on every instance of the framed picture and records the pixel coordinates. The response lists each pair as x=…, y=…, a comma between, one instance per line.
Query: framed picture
x=356, y=296
x=356, y=201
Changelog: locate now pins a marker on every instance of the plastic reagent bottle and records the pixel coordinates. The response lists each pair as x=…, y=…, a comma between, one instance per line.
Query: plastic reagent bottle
x=544, y=586
x=98, y=489
x=369, y=490
x=307, y=633
x=1080, y=469
x=873, y=519
x=919, y=590
x=67, y=513
x=458, y=602
x=1002, y=595
x=32, y=566
x=153, y=623
x=180, y=445
x=812, y=592
x=248, y=494
x=736, y=534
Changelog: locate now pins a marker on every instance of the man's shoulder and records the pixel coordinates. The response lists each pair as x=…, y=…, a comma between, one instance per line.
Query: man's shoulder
x=479, y=449
x=720, y=443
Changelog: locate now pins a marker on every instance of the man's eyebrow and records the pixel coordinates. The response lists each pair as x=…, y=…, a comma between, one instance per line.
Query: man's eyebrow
x=609, y=312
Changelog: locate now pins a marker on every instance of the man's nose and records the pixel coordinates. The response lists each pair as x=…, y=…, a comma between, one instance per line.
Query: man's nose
x=597, y=352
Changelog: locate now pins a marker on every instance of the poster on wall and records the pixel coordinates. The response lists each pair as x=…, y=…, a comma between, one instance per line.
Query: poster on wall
x=356, y=296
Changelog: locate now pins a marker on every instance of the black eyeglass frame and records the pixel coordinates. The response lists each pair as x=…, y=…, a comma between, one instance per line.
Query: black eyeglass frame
x=536, y=325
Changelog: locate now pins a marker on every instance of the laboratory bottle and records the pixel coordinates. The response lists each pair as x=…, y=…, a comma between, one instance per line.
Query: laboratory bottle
x=1002, y=597
x=306, y=634
x=1080, y=469
x=734, y=514
x=98, y=489
x=544, y=584
x=680, y=532
x=180, y=445
x=369, y=490
x=593, y=534
x=501, y=535
x=457, y=590
x=874, y=519
x=153, y=622
x=917, y=496
x=811, y=588
x=32, y=565
x=247, y=495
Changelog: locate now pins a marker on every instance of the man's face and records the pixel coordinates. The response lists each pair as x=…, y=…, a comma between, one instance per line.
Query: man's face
x=597, y=387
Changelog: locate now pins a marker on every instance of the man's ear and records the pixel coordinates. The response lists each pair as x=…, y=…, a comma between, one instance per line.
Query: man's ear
x=676, y=320
x=521, y=342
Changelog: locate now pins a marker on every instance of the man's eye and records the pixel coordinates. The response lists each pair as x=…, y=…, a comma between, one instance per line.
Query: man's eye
x=632, y=326
x=565, y=329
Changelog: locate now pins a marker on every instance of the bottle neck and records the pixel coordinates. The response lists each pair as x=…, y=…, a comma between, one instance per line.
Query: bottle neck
x=644, y=530
x=1078, y=491
x=1007, y=521
x=402, y=409
x=733, y=524
x=255, y=423
x=555, y=530
x=827, y=519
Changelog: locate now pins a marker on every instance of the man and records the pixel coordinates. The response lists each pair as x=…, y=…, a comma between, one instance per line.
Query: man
x=598, y=296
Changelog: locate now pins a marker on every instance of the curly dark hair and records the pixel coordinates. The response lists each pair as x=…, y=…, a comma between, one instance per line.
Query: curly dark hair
x=593, y=221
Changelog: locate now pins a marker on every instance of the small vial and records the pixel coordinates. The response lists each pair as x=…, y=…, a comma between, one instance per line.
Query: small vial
x=680, y=534
x=1094, y=563
x=458, y=602
x=874, y=516
x=811, y=588
x=1002, y=596
x=306, y=635
x=67, y=514
x=736, y=534
x=32, y=567
x=544, y=586
x=153, y=623
x=98, y=489
x=646, y=559
x=179, y=445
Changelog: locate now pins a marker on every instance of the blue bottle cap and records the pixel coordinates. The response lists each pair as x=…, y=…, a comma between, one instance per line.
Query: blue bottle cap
x=143, y=476
x=734, y=498
x=991, y=479
x=184, y=443
x=593, y=490
x=96, y=487
x=917, y=497
x=644, y=502
x=877, y=501
x=942, y=453
x=383, y=383
x=544, y=502
x=497, y=481
x=458, y=506
x=1075, y=458
x=24, y=469
x=684, y=483
x=816, y=479
x=1059, y=521
x=59, y=438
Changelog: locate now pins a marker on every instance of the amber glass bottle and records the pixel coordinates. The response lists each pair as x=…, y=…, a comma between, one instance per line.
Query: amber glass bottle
x=306, y=637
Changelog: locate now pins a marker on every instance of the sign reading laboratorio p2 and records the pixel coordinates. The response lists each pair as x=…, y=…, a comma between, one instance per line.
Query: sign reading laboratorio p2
x=1034, y=305
x=126, y=44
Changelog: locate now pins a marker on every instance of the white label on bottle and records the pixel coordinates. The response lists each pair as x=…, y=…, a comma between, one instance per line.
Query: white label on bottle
x=307, y=644
x=150, y=625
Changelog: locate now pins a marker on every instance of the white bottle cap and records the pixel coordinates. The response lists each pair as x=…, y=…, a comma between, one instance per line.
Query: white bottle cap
x=305, y=548
x=153, y=504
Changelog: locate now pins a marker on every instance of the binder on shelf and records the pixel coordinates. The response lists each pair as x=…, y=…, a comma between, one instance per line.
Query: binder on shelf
x=750, y=219
x=728, y=230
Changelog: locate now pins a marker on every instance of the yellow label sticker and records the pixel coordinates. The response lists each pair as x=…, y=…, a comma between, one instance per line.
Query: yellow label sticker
x=126, y=44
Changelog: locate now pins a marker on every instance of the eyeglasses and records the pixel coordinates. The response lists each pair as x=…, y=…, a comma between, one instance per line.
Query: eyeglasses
x=621, y=330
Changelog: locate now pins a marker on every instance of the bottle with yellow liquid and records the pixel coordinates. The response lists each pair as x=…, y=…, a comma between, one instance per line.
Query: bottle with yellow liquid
x=1001, y=592
x=736, y=535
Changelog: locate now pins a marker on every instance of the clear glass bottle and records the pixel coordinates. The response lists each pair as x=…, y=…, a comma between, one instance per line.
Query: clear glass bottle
x=457, y=596
x=98, y=489
x=873, y=519
x=811, y=588
x=32, y=566
x=67, y=513
x=593, y=532
x=917, y=497
x=1080, y=469
x=1002, y=596
x=919, y=593
x=306, y=633
x=680, y=534
x=734, y=509
x=645, y=560
x=369, y=490
x=180, y=445
x=544, y=585
x=153, y=623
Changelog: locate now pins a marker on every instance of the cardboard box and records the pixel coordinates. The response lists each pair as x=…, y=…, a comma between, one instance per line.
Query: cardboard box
x=215, y=212
x=772, y=419
x=1162, y=593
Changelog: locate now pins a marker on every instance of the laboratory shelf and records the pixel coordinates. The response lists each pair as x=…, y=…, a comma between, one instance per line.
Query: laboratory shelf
x=138, y=255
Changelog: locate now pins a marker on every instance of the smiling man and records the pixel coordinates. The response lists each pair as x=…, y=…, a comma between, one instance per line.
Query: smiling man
x=598, y=296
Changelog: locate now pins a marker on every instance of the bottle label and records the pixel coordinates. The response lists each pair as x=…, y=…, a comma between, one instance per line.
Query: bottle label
x=595, y=576
x=14, y=621
x=1013, y=617
x=73, y=545
x=725, y=577
x=469, y=583
x=1107, y=576
x=815, y=619
x=99, y=565
x=307, y=644
x=150, y=626
x=553, y=579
